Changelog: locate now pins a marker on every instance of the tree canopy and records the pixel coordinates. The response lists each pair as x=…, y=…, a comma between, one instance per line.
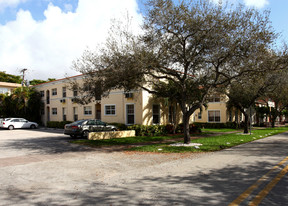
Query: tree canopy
x=190, y=48
x=10, y=78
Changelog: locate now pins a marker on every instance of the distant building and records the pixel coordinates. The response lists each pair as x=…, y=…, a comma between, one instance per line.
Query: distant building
x=7, y=87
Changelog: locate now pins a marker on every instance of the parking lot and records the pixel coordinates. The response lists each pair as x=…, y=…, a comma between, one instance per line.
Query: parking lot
x=41, y=167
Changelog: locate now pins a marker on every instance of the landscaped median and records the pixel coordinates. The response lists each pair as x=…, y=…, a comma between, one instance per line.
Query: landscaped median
x=207, y=141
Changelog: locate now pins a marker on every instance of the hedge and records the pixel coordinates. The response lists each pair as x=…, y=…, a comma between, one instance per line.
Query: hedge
x=157, y=130
x=231, y=125
x=55, y=124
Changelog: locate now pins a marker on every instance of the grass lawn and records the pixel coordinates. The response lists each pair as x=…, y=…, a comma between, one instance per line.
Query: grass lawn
x=218, y=130
x=209, y=143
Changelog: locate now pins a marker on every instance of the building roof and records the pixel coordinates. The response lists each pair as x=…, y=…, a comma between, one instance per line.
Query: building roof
x=9, y=84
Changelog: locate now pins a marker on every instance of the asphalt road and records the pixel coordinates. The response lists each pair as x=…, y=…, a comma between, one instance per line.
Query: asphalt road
x=40, y=167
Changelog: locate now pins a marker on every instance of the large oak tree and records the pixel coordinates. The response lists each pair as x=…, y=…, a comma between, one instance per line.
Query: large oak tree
x=194, y=46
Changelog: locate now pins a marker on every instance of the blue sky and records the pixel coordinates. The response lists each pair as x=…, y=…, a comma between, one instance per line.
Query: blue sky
x=45, y=36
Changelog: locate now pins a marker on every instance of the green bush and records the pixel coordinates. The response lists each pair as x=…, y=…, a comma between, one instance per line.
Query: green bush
x=231, y=125
x=59, y=125
x=148, y=130
x=120, y=126
x=193, y=128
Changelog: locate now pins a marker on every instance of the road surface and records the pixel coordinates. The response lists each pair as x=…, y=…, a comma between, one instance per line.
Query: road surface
x=40, y=167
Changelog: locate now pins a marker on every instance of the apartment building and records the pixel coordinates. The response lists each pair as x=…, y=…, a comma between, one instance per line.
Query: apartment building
x=136, y=107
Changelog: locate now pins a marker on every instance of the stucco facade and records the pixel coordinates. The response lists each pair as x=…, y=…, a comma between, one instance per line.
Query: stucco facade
x=136, y=107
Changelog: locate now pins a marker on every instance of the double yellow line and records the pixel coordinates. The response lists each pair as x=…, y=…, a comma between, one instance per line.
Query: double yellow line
x=261, y=195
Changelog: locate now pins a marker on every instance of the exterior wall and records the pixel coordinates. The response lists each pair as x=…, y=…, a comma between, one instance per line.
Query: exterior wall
x=217, y=106
x=7, y=87
x=141, y=100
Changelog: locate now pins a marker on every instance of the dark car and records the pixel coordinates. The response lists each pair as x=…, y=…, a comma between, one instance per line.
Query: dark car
x=83, y=127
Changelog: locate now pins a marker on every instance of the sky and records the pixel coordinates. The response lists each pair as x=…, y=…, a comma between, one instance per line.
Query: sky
x=46, y=36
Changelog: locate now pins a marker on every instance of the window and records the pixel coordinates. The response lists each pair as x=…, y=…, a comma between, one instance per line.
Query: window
x=110, y=109
x=130, y=116
x=214, y=116
x=63, y=91
x=199, y=115
x=42, y=93
x=75, y=93
x=64, y=112
x=88, y=110
x=54, y=92
x=4, y=90
x=54, y=111
x=75, y=113
x=156, y=113
x=172, y=110
x=214, y=98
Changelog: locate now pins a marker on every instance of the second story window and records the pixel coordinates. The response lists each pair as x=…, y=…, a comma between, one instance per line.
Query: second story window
x=63, y=91
x=214, y=98
x=54, y=92
x=42, y=93
x=75, y=93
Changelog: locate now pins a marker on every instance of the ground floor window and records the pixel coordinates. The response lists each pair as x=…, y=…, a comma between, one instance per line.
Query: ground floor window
x=54, y=111
x=75, y=113
x=64, y=112
x=156, y=114
x=110, y=109
x=199, y=115
x=214, y=116
x=130, y=114
x=88, y=110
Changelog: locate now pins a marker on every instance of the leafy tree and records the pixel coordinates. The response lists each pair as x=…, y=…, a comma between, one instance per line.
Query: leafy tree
x=193, y=47
x=23, y=102
x=10, y=78
x=279, y=96
x=39, y=81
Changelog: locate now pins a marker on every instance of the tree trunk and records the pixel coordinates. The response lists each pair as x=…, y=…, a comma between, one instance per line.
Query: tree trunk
x=187, y=138
x=246, y=123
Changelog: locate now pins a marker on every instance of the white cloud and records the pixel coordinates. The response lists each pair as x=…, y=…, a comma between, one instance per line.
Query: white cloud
x=47, y=48
x=256, y=3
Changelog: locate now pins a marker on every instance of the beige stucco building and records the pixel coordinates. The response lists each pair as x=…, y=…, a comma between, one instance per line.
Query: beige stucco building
x=7, y=87
x=136, y=107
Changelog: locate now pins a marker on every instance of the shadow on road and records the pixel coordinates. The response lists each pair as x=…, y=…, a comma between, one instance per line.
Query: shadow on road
x=217, y=187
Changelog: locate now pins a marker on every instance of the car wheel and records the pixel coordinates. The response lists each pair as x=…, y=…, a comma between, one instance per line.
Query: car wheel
x=11, y=127
x=85, y=133
x=33, y=126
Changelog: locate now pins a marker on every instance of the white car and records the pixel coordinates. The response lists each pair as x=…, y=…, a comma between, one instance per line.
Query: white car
x=13, y=123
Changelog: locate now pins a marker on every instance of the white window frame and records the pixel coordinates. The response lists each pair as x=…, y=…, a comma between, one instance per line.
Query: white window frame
x=200, y=115
x=53, y=111
x=126, y=114
x=54, y=91
x=90, y=111
x=214, y=116
x=158, y=113
x=105, y=109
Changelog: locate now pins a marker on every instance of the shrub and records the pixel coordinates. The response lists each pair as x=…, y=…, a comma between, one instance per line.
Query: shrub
x=231, y=125
x=148, y=130
x=120, y=126
x=55, y=124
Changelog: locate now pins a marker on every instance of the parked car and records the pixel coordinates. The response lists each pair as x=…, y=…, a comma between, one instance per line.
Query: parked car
x=83, y=127
x=17, y=123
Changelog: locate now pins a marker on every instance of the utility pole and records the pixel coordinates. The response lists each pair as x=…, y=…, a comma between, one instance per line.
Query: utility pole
x=23, y=78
